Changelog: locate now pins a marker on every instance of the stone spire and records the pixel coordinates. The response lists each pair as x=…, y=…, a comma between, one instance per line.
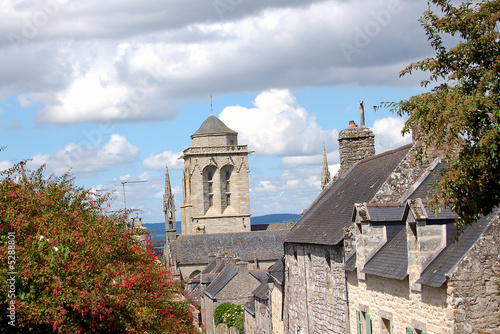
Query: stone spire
x=169, y=210
x=325, y=173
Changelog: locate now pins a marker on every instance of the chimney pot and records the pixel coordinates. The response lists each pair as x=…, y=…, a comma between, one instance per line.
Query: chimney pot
x=352, y=124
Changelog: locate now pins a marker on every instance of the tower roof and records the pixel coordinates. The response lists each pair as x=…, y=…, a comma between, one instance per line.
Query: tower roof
x=213, y=126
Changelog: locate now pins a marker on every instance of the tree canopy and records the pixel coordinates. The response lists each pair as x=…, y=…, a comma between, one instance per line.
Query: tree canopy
x=461, y=113
x=70, y=267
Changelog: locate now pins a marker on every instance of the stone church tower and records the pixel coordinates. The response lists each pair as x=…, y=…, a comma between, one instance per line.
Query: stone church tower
x=215, y=181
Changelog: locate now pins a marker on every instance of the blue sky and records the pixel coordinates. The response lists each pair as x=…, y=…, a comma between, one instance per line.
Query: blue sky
x=113, y=91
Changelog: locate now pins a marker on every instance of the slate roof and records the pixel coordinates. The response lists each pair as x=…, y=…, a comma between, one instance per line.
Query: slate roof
x=391, y=260
x=261, y=291
x=276, y=272
x=386, y=212
x=250, y=306
x=259, y=274
x=350, y=264
x=436, y=272
x=194, y=249
x=213, y=126
x=323, y=223
x=221, y=280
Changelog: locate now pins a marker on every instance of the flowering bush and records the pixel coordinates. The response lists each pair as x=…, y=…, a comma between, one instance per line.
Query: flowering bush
x=74, y=268
x=231, y=315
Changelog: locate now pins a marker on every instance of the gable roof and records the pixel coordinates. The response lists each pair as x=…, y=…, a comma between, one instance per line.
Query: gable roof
x=436, y=272
x=276, y=272
x=323, y=223
x=213, y=126
x=262, y=245
x=221, y=280
x=391, y=260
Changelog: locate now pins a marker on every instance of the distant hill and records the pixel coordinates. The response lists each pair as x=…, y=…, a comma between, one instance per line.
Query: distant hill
x=158, y=229
x=275, y=218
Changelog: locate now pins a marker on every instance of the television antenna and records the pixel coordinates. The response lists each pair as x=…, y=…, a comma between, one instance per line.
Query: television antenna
x=124, y=197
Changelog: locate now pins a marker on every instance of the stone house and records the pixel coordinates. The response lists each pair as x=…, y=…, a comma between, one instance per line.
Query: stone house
x=234, y=284
x=264, y=311
x=407, y=273
x=315, y=294
x=396, y=268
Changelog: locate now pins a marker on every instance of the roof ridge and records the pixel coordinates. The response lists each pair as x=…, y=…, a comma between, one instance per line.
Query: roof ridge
x=401, y=148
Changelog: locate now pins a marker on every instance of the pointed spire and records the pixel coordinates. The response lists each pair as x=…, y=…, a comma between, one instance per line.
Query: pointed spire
x=169, y=210
x=325, y=174
x=168, y=204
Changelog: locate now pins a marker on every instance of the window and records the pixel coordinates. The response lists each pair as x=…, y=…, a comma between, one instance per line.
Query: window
x=364, y=322
x=386, y=326
x=228, y=199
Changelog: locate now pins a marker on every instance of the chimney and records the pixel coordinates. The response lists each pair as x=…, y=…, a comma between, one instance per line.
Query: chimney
x=242, y=267
x=425, y=241
x=362, y=113
x=355, y=143
x=368, y=238
x=211, y=257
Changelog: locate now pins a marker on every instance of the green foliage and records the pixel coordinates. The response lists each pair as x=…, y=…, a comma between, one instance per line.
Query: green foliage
x=231, y=315
x=79, y=269
x=462, y=112
x=220, y=311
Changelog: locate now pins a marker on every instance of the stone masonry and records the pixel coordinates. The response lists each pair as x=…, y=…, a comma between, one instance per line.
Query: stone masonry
x=215, y=182
x=474, y=288
x=355, y=144
x=315, y=296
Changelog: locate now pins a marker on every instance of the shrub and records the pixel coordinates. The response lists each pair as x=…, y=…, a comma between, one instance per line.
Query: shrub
x=77, y=268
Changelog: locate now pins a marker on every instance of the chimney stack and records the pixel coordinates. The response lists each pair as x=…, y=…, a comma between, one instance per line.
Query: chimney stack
x=355, y=143
x=242, y=267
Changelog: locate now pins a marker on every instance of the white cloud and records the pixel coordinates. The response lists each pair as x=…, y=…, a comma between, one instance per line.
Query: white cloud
x=291, y=192
x=166, y=158
x=84, y=65
x=278, y=126
x=5, y=164
x=118, y=152
x=388, y=134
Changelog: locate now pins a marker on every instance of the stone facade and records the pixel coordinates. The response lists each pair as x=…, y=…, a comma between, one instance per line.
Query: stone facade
x=466, y=302
x=215, y=182
x=473, y=289
x=276, y=302
x=237, y=291
x=315, y=290
x=392, y=306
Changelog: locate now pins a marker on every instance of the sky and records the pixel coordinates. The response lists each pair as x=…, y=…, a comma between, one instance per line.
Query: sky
x=112, y=90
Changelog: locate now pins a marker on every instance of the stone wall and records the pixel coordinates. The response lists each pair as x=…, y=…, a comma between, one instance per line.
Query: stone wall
x=276, y=301
x=394, y=301
x=315, y=289
x=473, y=288
x=250, y=324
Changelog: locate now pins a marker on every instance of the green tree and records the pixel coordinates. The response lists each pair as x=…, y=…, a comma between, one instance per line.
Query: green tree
x=461, y=113
x=73, y=268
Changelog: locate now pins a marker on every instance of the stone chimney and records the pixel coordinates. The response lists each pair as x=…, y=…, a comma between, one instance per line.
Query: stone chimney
x=355, y=143
x=425, y=241
x=242, y=267
x=368, y=238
